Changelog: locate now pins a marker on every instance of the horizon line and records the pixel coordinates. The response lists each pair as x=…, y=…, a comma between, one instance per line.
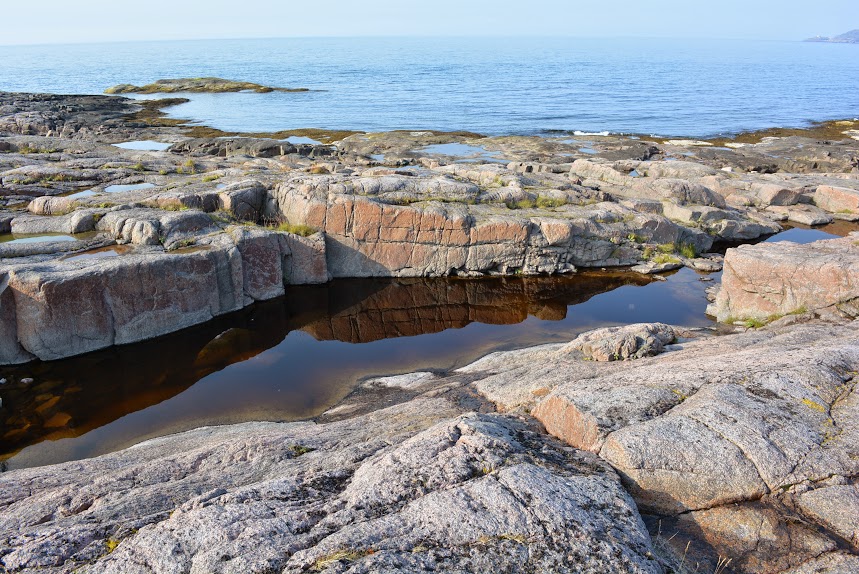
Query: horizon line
x=399, y=36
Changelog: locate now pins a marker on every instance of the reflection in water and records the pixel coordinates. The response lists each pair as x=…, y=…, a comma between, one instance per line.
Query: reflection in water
x=296, y=356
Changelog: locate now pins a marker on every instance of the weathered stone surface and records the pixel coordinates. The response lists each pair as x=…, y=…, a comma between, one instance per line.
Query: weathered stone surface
x=78, y=306
x=770, y=279
x=829, y=563
x=64, y=307
x=803, y=214
x=775, y=194
x=262, y=263
x=713, y=421
x=754, y=537
x=837, y=199
x=11, y=350
x=623, y=343
x=374, y=493
x=306, y=262
x=51, y=205
x=837, y=507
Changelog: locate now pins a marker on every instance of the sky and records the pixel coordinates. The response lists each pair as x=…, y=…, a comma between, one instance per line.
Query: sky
x=84, y=21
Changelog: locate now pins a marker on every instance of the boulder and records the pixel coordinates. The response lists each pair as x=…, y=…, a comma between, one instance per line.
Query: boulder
x=623, y=343
x=51, y=205
x=775, y=194
x=837, y=199
x=774, y=279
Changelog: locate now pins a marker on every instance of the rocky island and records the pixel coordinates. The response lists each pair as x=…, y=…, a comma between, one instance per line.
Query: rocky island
x=645, y=448
x=197, y=85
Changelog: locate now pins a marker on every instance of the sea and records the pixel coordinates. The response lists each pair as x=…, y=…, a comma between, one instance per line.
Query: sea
x=493, y=86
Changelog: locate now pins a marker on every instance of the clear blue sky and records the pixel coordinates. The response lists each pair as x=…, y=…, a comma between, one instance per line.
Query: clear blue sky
x=74, y=21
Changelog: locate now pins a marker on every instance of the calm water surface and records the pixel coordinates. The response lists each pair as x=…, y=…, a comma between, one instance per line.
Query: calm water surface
x=294, y=357
x=490, y=85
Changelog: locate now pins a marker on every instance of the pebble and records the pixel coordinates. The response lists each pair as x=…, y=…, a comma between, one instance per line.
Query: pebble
x=26, y=381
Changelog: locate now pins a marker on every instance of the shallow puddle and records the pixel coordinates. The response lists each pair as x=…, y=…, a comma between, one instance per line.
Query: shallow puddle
x=297, y=140
x=79, y=194
x=144, y=145
x=128, y=187
x=804, y=234
x=466, y=153
x=12, y=238
x=101, y=253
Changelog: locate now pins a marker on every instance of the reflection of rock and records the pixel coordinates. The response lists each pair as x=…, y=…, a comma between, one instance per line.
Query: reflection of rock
x=413, y=307
x=91, y=395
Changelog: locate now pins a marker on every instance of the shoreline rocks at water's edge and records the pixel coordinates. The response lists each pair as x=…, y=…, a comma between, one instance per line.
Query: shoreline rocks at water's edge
x=551, y=210
x=743, y=445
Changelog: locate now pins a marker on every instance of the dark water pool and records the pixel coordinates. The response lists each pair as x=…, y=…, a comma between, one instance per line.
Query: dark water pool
x=295, y=357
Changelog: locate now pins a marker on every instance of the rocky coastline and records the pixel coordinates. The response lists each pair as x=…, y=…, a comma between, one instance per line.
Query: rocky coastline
x=646, y=448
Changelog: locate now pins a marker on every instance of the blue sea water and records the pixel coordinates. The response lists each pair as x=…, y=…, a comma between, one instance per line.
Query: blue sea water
x=691, y=88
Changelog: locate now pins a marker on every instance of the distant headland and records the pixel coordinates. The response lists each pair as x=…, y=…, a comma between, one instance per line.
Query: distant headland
x=851, y=37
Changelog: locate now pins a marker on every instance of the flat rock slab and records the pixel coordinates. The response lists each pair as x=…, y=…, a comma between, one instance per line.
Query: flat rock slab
x=394, y=491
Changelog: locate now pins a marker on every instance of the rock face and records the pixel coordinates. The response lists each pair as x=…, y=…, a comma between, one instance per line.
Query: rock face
x=75, y=305
x=837, y=199
x=367, y=237
x=775, y=279
x=390, y=492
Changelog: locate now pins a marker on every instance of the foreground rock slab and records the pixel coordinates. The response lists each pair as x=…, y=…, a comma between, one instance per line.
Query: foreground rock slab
x=710, y=427
x=394, y=491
